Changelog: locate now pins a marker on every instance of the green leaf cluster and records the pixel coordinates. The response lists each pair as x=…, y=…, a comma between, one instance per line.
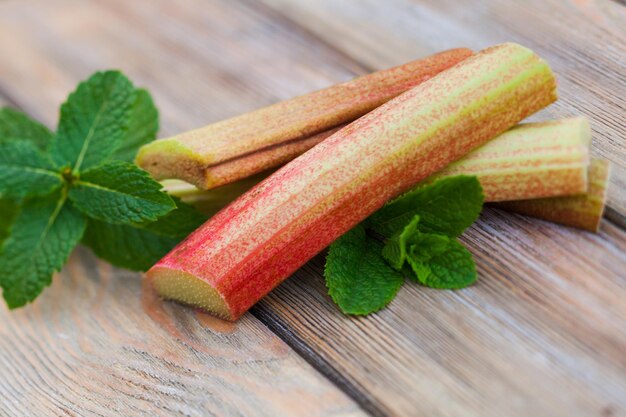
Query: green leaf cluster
x=413, y=236
x=79, y=183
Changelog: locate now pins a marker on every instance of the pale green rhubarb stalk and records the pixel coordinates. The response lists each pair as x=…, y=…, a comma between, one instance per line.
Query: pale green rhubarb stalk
x=236, y=148
x=583, y=211
x=528, y=161
x=531, y=160
x=252, y=245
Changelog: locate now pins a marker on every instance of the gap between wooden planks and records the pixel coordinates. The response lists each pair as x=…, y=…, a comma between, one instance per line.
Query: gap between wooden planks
x=441, y=352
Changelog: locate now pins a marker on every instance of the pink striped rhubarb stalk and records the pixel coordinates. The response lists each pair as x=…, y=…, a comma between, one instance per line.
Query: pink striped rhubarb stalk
x=252, y=245
x=236, y=148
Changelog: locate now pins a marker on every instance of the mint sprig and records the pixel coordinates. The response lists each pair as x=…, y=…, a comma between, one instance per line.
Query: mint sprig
x=79, y=183
x=417, y=238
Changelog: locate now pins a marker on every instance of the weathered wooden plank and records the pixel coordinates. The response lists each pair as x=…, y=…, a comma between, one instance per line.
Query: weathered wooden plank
x=445, y=352
x=582, y=40
x=6, y=101
x=542, y=333
x=96, y=343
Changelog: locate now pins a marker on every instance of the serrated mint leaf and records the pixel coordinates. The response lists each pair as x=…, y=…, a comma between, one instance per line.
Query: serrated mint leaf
x=17, y=125
x=142, y=127
x=358, y=278
x=94, y=120
x=120, y=192
x=394, y=250
x=43, y=234
x=8, y=211
x=453, y=268
x=448, y=206
x=25, y=171
x=138, y=247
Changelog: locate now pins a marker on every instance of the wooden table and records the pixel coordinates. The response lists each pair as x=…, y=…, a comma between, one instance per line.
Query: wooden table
x=543, y=332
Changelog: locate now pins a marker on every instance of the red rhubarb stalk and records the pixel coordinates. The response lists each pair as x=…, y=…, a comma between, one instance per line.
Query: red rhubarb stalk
x=248, y=248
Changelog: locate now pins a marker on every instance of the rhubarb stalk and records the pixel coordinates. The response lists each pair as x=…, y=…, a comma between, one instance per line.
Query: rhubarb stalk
x=528, y=161
x=232, y=149
x=531, y=160
x=583, y=211
x=252, y=245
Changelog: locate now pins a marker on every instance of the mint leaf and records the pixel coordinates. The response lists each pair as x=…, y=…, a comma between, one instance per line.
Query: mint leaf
x=120, y=192
x=8, y=209
x=394, y=250
x=178, y=223
x=24, y=171
x=17, y=125
x=138, y=247
x=94, y=120
x=423, y=246
x=447, y=206
x=358, y=278
x=43, y=235
x=126, y=246
x=142, y=128
x=452, y=268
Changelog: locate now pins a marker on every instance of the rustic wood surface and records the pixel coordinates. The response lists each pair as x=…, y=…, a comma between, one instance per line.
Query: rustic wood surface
x=542, y=333
x=97, y=343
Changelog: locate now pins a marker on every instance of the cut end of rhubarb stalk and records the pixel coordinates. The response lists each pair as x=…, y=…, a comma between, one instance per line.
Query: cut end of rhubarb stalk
x=187, y=289
x=161, y=156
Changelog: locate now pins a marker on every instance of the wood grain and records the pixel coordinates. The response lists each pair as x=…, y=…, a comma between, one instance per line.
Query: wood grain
x=582, y=40
x=211, y=61
x=96, y=343
x=542, y=333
